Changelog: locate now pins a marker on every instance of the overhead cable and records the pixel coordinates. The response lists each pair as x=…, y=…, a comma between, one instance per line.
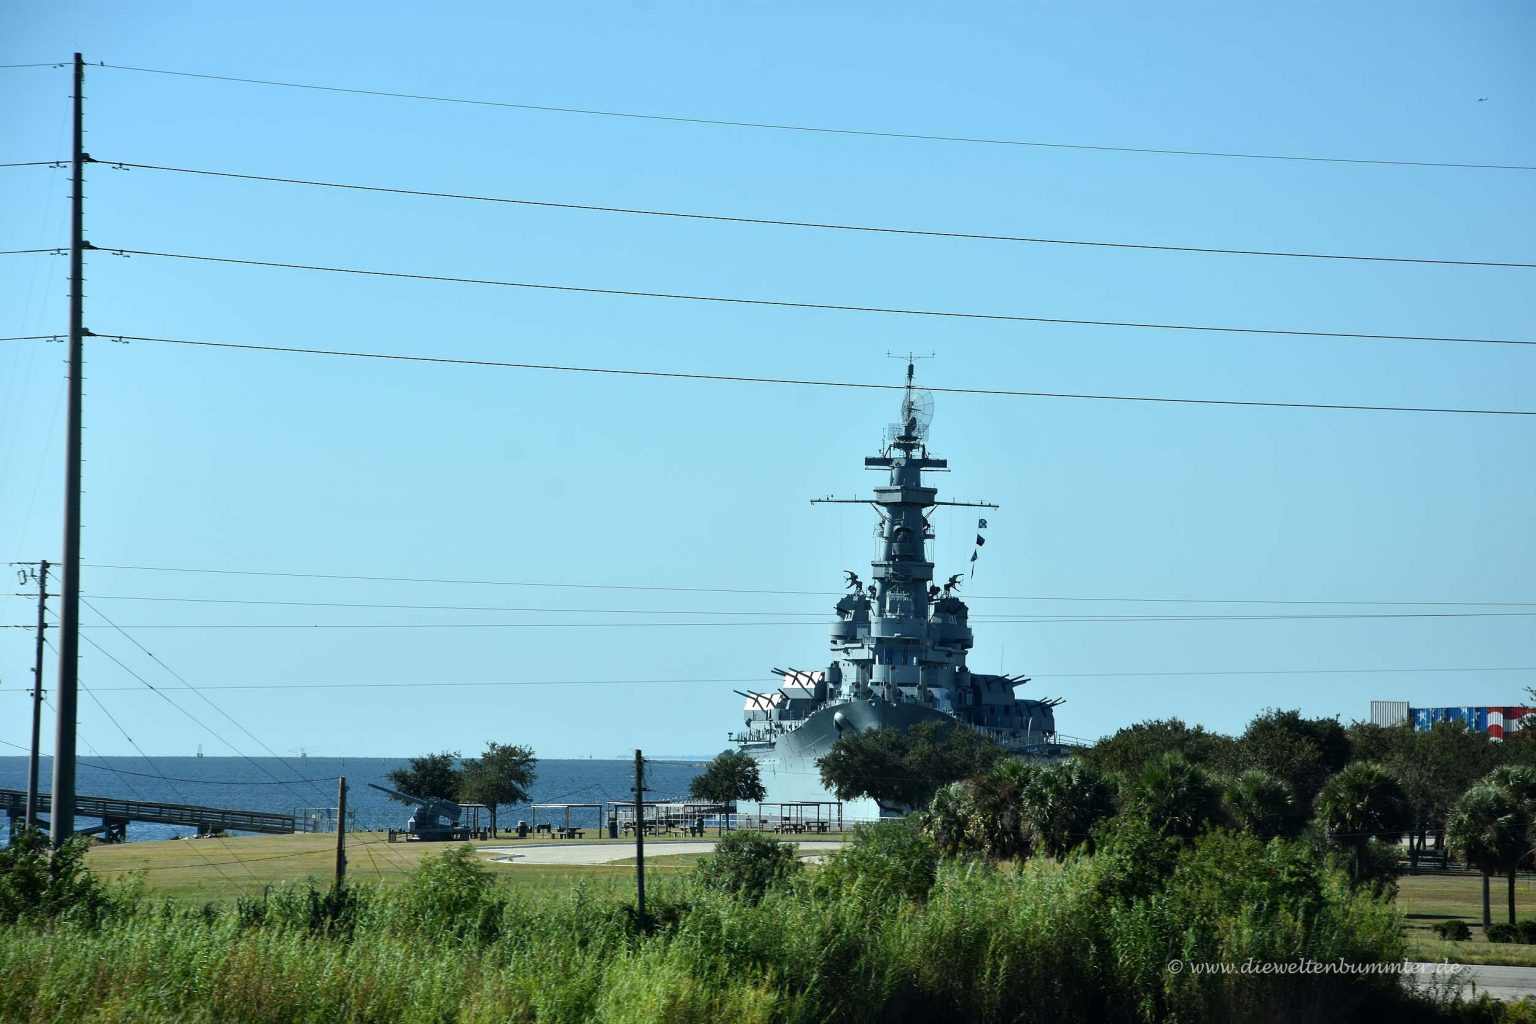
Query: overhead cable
x=820, y=225
x=859, y=132
x=793, y=593
x=759, y=680
x=671, y=375
x=831, y=306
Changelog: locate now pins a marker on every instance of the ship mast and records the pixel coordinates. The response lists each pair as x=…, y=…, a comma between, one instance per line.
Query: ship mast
x=902, y=573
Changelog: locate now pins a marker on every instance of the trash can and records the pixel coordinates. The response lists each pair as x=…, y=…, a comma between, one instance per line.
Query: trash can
x=613, y=828
x=522, y=830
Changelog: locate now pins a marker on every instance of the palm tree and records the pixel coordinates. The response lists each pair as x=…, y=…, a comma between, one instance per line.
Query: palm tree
x=997, y=809
x=1491, y=829
x=949, y=818
x=1260, y=804
x=1175, y=797
x=1518, y=781
x=1362, y=802
x=1063, y=802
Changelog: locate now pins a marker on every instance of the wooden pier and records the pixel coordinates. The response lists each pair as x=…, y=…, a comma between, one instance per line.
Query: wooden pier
x=115, y=814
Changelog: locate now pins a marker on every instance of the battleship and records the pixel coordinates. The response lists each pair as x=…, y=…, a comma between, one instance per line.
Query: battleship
x=898, y=643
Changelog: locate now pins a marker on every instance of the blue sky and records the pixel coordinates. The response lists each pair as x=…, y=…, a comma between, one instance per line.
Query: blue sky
x=248, y=461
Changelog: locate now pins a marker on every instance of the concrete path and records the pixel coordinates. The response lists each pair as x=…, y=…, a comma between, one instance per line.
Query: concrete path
x=1507, y=984
x=608, y=853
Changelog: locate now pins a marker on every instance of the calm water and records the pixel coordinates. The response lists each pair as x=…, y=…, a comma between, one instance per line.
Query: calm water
x=289, y=785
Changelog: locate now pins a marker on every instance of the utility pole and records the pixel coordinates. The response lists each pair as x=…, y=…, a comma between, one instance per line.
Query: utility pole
x=37, y=694
x=62, y=822
x=341, y=832
x=640, y=841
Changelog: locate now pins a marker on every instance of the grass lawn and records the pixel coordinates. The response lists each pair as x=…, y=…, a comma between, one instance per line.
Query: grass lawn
x=221, y=869
x=1428, y=899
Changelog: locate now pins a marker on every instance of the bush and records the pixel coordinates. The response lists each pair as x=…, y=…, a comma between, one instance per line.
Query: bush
x=450, y=894
x=1502, y=933
x=39, y=884
x=1527, y=931
x=747, y=865
x=885, y=860
x=1455, y=931
x=331, y=912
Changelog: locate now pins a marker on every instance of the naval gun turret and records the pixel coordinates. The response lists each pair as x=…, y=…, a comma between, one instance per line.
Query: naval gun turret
x=435, y=817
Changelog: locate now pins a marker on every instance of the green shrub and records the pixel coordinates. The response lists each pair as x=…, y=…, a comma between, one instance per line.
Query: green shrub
x=747, y=865
x=882, y=861
x=450, y=894
x=315, y=911
x=38, y=883
x=1502, y=933
x=1455, y=931
x=879, y=936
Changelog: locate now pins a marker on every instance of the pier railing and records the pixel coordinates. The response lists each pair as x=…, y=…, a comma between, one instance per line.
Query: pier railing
x=115, y=814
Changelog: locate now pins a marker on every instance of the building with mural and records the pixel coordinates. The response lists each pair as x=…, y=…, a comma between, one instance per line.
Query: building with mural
x=1496, y=721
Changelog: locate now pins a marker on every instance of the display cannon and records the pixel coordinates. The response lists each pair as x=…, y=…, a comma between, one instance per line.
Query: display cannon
x=436, y=818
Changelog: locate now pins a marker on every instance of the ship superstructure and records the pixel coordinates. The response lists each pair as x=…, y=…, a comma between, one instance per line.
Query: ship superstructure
x=898, y=643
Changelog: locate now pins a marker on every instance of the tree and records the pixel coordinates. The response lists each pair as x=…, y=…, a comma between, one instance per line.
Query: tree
x=1132, y=748
x=902, y=770
x=1261, y=805
x=1360, y=803
x=1519, y=783
x=501, y=775
x=747, y=865
x=1062, y=803
x=1435, y=768
x=1303, y=752
x=949, y=817
x=1174, y=797
x=731, y=776
x=1491, y=829
x=431, y=775
x=998, y=824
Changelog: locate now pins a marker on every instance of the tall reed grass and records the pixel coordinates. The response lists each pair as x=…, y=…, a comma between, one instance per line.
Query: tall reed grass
x=1079, y=941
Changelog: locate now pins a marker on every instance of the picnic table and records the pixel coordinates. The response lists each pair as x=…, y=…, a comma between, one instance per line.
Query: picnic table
x=572, y=833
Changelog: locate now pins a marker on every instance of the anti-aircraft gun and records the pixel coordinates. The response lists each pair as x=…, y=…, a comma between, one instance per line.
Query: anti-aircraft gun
x=436, y=818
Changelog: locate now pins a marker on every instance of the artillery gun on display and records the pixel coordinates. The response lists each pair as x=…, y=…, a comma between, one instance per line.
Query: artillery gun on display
x=437, y=818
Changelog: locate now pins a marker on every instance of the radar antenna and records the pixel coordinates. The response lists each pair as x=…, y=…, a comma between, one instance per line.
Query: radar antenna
x=916, y=406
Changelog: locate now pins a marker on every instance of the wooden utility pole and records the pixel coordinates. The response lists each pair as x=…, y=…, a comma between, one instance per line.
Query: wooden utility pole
x=640, y=840
x=37, y=694
x=341, y=832
x=62, y=822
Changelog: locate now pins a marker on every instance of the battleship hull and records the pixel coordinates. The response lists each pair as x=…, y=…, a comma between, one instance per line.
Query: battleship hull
x=787, y=763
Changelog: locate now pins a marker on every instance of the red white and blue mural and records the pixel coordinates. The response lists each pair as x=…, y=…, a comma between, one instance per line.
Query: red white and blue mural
x=1495, y=721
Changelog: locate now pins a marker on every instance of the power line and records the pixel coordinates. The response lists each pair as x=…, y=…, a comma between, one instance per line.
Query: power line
x=824, y=226
x=794, y=593
x=1274, y=672
x=35, y=337
x=716, y=377
x=45, y=64
x=444, y=607
x=156, y=768
x=809, y=619
x=25, y=252
x=36, y=163
x=828, y=306
x=206, y=700
x=1034, y=677
x=182, y=679
x=419, y=579
x=190, y=782
x=864, y=133
x=679, y=611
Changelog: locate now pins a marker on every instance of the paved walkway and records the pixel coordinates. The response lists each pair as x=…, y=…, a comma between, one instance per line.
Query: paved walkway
x=1508, y=984
x=607, y=853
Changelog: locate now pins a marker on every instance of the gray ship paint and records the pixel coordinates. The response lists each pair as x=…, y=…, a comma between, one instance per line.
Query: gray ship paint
x=898, y=643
